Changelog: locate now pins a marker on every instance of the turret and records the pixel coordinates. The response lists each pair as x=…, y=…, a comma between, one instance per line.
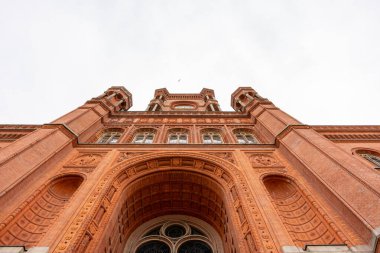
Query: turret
x=116, y=98
x=165, y=101
x=244, y=97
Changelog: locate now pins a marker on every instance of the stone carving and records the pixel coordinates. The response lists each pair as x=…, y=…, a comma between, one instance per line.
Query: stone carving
x=263, y=160
x=85, y=160
x=127, y=155
x=224, y=155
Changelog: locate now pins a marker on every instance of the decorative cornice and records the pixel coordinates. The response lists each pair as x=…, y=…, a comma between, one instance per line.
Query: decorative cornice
x=346, y=128
x=189, y=146
x=176, y=113
x=17, y=127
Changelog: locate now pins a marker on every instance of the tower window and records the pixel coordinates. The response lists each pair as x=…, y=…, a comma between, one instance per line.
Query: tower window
x=212, y=138
x=145, y=137
x=375, y=159
x=184, y=107
x=109, y=137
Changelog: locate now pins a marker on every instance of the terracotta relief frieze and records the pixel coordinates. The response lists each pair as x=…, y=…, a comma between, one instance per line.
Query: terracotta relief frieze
x=85, y=160
x=263, y=160
x=224, y=155
x=128, y=155
x=178, y=120
x=210, y=127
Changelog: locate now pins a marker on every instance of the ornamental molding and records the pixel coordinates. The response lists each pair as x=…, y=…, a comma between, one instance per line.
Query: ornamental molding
x=263, y=160
x=85, y=160
x=346, y=128
x=177, y=120
x=224, y=155
x=128, y=155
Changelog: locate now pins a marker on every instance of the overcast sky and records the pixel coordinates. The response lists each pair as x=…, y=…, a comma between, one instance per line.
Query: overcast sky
x=317, y=60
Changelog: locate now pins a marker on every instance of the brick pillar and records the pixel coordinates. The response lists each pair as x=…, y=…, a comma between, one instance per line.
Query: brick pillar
x=337, y=175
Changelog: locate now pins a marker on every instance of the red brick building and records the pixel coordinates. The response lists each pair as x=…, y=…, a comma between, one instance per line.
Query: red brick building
x=184, y=176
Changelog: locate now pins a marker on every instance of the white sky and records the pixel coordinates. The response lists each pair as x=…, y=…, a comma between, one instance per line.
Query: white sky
x=317, y=60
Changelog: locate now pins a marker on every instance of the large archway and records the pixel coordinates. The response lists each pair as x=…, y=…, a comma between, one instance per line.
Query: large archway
x=136, y=190
x=171, y=192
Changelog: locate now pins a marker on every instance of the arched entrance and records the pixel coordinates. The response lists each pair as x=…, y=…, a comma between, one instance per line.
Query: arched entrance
x=174, y=192
x=137, y=190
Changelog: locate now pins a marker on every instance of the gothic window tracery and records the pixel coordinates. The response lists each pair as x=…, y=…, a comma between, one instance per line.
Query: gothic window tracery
x=212, y=137
x=372, y=157
x=178, y=136
x=174, y=236
x=245, y=137
x=144, y=136
x=110, y=137
x=153, y=247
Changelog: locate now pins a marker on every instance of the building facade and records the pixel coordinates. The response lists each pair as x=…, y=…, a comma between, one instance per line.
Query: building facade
x=185, y=177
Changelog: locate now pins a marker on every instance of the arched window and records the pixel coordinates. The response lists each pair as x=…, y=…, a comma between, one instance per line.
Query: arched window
x=245, y=137
x=178, y=136
x=110, y=136
x=211, y=137
x=145, y=136
x=171, y=234
x=184, y=107
x=372, y=157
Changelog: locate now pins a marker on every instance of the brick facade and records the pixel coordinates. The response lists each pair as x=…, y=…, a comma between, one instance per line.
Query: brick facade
x=259, y=179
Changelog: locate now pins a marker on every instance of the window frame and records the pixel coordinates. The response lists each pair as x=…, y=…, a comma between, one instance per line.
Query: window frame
x=113, y=135
x=145, y=137
x=212, y=135
x=371, y=157
x=245, y=137
x=177, y=133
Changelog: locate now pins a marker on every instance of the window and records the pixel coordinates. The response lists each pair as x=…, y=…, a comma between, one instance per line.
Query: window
x=212, y=138
x=174, y=236
x=178, y=136
x=373, y=158
x=109, y=137
x=244, y=137
x=184, y=107
x=144, y=137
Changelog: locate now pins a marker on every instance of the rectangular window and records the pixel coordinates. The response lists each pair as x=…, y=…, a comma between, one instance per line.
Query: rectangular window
x=139, y=139
x=183, y=139
x=207, y=139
